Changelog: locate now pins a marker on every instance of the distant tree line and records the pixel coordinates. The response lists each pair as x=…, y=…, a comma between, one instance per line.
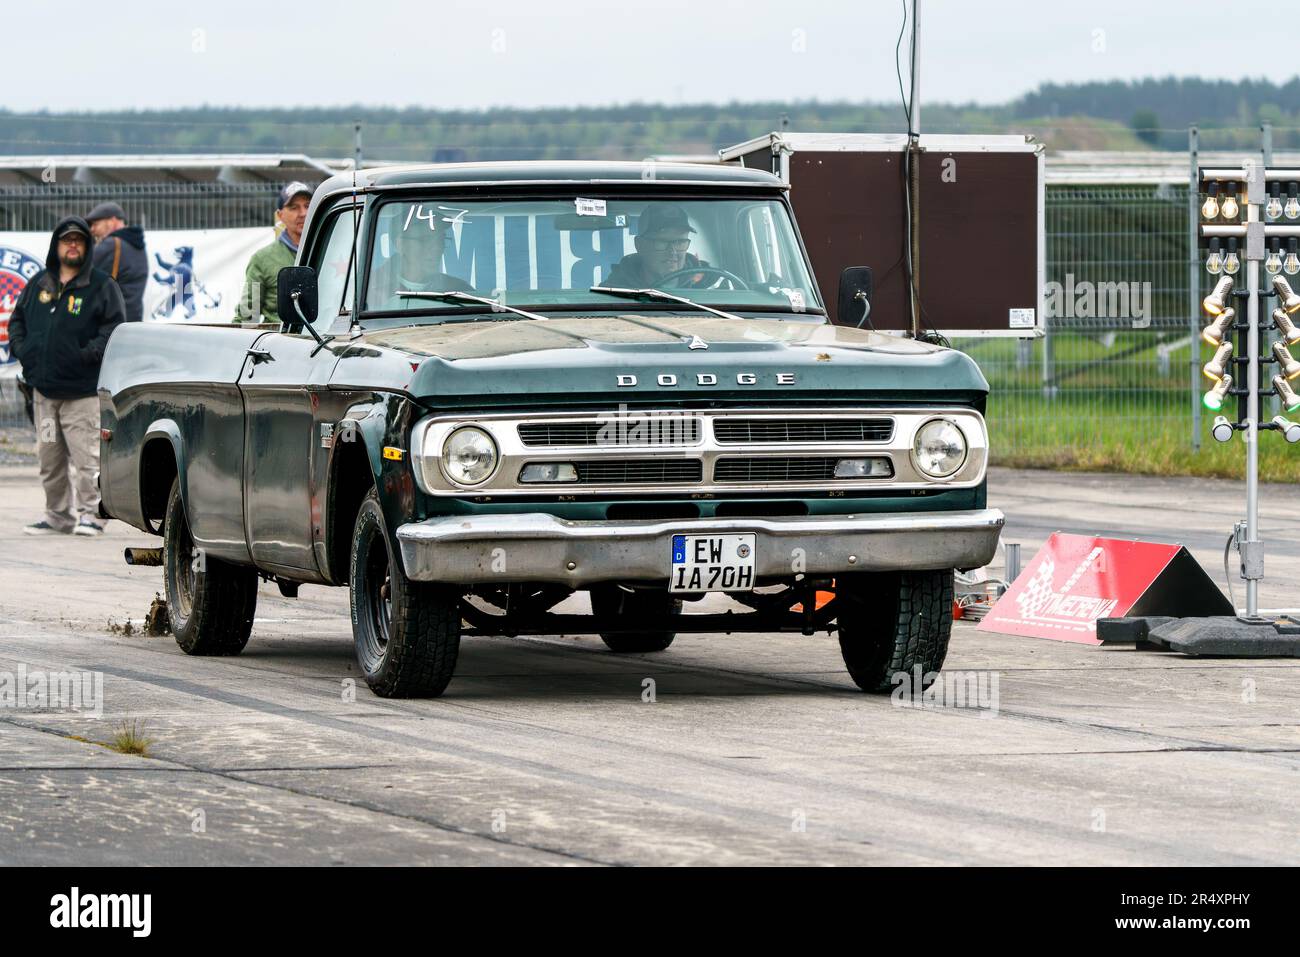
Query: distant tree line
x=1115, y=115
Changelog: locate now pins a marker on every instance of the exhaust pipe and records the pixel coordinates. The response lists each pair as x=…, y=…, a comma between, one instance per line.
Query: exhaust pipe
x=143, y=556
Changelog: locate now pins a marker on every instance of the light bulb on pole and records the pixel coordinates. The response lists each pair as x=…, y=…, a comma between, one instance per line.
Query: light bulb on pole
x=1210, y=208
x=1290, y=400
x=1214, y=398
x=1286, y=295
x=1273, y=209
x=1216, y=331
x=1218, y=367
x=1217, y=301
x=1214, y=261
x=1228, y=208
x=1290, y=368
x=1290, y=431
x=1286, y=327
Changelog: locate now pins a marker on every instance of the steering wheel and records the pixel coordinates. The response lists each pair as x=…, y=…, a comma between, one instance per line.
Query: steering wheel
x=693, y=278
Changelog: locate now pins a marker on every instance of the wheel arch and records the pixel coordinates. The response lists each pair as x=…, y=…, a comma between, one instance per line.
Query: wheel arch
x=162, y=461
x=355, y=465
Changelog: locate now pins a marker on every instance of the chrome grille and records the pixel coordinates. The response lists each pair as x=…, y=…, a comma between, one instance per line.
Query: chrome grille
x=639, y=471
x=716, y=450
x=781, y=431
x=774, y=469
x=634, y=431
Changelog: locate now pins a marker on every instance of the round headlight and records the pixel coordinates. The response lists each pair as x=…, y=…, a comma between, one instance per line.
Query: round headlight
x=940, y=448
x=469, y=456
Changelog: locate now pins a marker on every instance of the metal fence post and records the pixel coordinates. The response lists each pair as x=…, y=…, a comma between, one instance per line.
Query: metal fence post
x=1194, y=280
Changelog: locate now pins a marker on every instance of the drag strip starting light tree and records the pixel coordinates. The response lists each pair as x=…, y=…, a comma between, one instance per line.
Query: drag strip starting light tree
x=1237, y=240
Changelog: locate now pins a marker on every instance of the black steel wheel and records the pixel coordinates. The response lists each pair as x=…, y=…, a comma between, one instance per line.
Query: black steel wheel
x=892, y=623
x=210, y=602
x=407, y=633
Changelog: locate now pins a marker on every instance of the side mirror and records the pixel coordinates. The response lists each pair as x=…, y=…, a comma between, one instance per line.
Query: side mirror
x=295, y=288
x=854, y=304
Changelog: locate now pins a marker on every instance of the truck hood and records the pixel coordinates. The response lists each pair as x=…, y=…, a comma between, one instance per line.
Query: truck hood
x=655, y=357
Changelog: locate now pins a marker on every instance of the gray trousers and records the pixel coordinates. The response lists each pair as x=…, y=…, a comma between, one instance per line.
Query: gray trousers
x=67, y=436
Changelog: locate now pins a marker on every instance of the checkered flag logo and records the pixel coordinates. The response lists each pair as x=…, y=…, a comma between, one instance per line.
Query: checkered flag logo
x=1038, y=592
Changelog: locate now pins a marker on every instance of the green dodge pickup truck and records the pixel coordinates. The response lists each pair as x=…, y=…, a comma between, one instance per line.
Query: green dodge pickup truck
x=497, y=385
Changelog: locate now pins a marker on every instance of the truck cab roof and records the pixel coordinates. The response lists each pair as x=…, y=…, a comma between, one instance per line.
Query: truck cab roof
x=550, y=172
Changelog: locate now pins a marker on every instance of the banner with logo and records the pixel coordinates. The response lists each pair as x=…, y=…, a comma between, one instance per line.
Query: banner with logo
x=195, y=275
x=1076, y=579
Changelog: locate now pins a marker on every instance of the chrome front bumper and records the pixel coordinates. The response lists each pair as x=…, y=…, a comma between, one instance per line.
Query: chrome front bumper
x=536, y=547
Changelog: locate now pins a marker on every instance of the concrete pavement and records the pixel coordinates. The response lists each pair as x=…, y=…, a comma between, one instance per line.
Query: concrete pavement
x=755, y=749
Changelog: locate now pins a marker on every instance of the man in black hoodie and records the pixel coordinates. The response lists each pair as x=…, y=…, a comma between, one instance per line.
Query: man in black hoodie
x=58, y=331
x=119, y=251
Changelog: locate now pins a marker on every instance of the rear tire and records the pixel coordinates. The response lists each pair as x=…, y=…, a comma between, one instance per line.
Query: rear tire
x=407, y=633
x=615, y=601
x=892, y=623
x=210, y=603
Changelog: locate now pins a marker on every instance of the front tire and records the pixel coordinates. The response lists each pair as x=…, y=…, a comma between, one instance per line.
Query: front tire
x=616, y=601
x=891, y=623
x=407, y=633
x=210, y=603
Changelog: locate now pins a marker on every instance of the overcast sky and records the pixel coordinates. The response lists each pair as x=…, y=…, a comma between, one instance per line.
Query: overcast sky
x=452, y=53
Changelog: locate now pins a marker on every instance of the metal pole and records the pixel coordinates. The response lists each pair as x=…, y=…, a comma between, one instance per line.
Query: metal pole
x=914, y=174
x=1266, y=149
x=356, y=146
x=915, y=103
x=1194, y=280
x=1251, y=549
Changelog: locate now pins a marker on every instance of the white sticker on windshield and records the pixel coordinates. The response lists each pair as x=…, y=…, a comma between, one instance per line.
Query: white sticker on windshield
x=590, y=207
x=796, y=299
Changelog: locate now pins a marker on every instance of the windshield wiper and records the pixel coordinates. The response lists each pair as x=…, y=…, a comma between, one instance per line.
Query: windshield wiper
x=466, y=298
x=661, y=296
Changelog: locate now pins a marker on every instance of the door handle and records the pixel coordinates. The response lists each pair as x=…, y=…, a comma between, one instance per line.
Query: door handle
x=260, y=355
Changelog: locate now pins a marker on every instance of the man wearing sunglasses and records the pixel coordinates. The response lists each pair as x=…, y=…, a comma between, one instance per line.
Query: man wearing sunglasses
x=663, y=241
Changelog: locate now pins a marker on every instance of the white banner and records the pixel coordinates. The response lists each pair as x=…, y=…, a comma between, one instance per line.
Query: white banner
x=195, y=275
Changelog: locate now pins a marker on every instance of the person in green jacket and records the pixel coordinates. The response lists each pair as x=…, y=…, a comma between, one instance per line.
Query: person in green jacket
x=257, y=302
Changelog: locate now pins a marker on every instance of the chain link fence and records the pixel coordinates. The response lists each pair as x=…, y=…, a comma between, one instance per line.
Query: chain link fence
x=1115, y=366
x=38, y=208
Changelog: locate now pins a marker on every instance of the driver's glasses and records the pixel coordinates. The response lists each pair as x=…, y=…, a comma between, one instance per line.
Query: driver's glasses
x=663, y=245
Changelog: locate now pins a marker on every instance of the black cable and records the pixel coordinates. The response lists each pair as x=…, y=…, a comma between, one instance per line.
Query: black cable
x=929, y=333
x=898, y=70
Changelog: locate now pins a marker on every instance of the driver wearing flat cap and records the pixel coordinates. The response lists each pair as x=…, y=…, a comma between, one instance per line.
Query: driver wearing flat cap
x=663, y=241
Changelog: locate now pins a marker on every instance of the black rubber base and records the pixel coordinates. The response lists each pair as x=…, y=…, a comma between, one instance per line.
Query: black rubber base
x=1221, y=636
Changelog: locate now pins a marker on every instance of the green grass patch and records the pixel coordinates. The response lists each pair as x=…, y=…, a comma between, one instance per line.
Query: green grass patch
x=129, y=738
x=1033, y=432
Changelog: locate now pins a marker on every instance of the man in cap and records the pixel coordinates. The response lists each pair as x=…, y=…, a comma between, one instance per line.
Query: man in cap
x=59, y=329
x=663, y=237
x=258, y=302
x=119, y=251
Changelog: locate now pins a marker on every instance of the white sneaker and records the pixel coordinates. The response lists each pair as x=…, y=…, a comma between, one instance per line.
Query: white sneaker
x=44, y=528
x=88, y=526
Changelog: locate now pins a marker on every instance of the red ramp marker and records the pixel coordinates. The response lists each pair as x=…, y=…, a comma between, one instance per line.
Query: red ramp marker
x=1076, y=579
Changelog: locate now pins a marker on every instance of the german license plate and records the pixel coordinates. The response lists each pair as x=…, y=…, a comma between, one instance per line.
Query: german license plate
x=712, y=563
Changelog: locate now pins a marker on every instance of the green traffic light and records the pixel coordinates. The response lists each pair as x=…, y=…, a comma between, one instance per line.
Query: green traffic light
x=1214, y=402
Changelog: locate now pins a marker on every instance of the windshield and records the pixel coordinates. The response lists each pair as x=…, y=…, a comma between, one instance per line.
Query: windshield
x=740, y=253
